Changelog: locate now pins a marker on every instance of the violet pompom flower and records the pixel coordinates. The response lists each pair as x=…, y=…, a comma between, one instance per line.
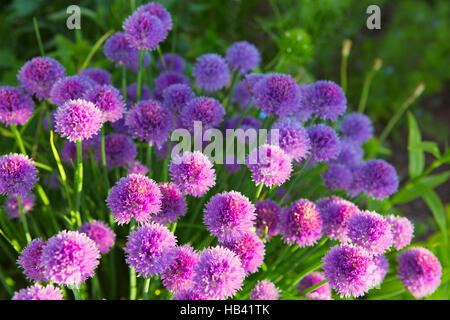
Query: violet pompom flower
x=242, y=56
x=138, y=168
x=350, y=154
x=30, y=262
x=337, y=177
x=193, y=173
x=325, y=144
x=265, y=290
x=211, y=72
x=349, y=270
x=173, y=204
x=69, y=258
x=357, y=127
x=11, y=205
x=120, y=150
x=166, y=79
x=245, y=123
x=146, y=94
x=118, y=49
x=78, y=120
x=177, y=96
x=149, y=121
x=377, y=178
x=218, y=274
x=244, y=90
x=188, y=294
x=134, y=196
x=18, y=174
x=420, y=271
x=250, y=249
x=269, y=165
x=39, y=75
x=301, y=223
x=70, y=88
x=370, y=231
x=173, y=62
x=146, y=249
x=100, y=76
x=144, y=31
x=277, y=94
x=38, y=292
x=326, y=98
x=109, y=100
x=380, y=270
x=181, y=263
x=267, y=216
x=102, y=235
x=229, y=215
x=15, y=106
x=304, y=110
x=402, y=231
x=293, y=138
x=321, y=293
x=156, y=9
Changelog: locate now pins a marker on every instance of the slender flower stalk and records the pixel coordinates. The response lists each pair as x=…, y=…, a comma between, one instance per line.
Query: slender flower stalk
x=346, y=46
x=146, y=286
x=366, y=86
x=78, y=182
x=76, y=293
x=258, y=191
x=38, y=37
x=303, y=274
x=139, y=75
x=165, y=171
x=18, y=139
x=105, y=170
x=24, y=219
x=124, y=82
x=161, y=57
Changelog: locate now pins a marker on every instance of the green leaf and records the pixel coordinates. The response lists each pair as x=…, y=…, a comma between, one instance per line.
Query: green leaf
x=416, y=157
x=427, y=146
x=436, y=207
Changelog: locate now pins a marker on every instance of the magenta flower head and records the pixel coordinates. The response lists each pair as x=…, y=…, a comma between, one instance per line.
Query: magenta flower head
x=156, y=9
x=277, y=94
x=265, y=290
x=218, y=274
x=78, y=120
x=325, y=143
x=211, y=72
x=337, y=177
x=146, y=94
x=144, y=31
x=18, y=174
x=420, y=271
x=229, y=215
x=301, y=223
x=118, y=49
x=267, y=216
x=70, y=88
x=69, y=258
x=138, y=168
x=30, y=261
x=11, y=205
x=321, y=293
x=38, y=292
x=370, y=231
x=380, y=270
x=173, y=62
x=188, y=294
x=100, y=76
x=193, y=173
x=326, y=98
x=177, y=96
x=377, y=178
x=244, y=90
x=250, y=249
x=357, y=127
x=243, y=57
x=293, y=138
x=166, y=79
x=173, y=204
x=102, y=235
x=269, y=165
x=15, y=106
x=402, y=231
x=109, y=100
x=208, y=111
x=349, y=270
x=181, y=265
x=146, y=249
x=120, y=150
x=134, y=196
x=39, y=75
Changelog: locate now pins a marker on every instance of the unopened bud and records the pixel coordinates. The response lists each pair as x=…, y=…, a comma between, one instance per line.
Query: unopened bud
x=346, y=46
x=377, y=64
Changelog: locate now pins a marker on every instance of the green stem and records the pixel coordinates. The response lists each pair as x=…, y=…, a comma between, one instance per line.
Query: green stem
x=78, y=181
x=313, y=287
x=5, y=284
x=312, y=268
x=161, y=57
x=232, y=85
x=38, y=37
x=346, y=45
x=18, y=139
x=24, y=219
x=258, y=191
x=146, y=288
x=133, y=287
x=124, y=83
x=94, y=49
x=139, y=75
x=165, y=171
x=76, y=293
x=105, y=169
x=149, y=159
x=366, y=86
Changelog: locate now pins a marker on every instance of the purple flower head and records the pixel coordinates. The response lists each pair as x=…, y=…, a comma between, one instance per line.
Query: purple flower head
x=146, y=94
x=321, y=293
x=301, y=223
x=144, y=31
x=149, y=121
x=277, y=94
x=166, y=79
x=218, y=274
x=39, y=75
x=325, y=144
x=15, y=106
x=69, y=258
x=120, y=150
x=211, y=72
x=377, y=178
x=38, y=292
x=70, y=88
x=229, y=215
x=349, y=270
x=173, y=204
x=78, y=120
x=177, y=96
x=269, y=165
x=402, y=231
x=267, y=216
x=370, y=231
x=337, y=177
x=11, y=205
x=250, y=249
x=138, y=168
x=109, y=100
x=265, y=290
x=181, y=264
x=173, y=62
x=188, y=294
x=380, y=270
x=293, y=138
x=146, y=249
x=304, y=110
x=208, y=111
x=420, y=271
x=69, y=152
x=244, y=90
x=118, y=49
x=357, y=127
x=102, y=235
x=326, y=98
x=18, y=174
x=134, y=196
x=243, y=57
x=30, y=262
x=100, y=76
x=350, y=155
x=156, y=9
